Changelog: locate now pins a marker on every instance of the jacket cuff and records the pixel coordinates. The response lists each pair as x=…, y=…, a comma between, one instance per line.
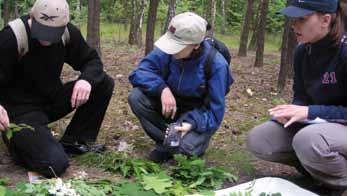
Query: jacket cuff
x=91, y=82
x=187, y=119
x=192, y=122
x=161, y=88
x=313, y=112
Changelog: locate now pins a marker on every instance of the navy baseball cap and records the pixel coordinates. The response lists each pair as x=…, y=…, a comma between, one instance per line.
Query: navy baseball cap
x=299, y=8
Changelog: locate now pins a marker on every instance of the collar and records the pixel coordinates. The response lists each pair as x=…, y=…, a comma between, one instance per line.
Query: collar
x=324, y=45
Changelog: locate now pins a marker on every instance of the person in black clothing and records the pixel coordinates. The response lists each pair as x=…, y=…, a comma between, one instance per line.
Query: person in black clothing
x=310, y=133
x=32, y=92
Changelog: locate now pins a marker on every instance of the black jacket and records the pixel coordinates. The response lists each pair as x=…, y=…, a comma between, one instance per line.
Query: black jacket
x=320, y=80
x=34, y=80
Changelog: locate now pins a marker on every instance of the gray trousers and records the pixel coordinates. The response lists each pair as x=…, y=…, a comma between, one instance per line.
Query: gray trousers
x=320, y=148
x=148, y=110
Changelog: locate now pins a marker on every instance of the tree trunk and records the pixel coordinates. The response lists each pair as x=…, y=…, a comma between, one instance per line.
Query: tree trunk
x=292, y=43
x=110, y=10
x=135, y=34
x=284, y=67
x=126, y=17
x=211, y=16
x=222, y=30
x=16, y=10
x=171, y=12
x=93, y=29
x=6, y=11
x=287, y=55
x=245, y=29
x=152, y=18
x=259, y=58
x=253, y=43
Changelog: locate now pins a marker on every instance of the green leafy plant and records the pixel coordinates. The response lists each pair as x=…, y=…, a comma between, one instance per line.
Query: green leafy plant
x=12, y=128
x=160, y=183
x=4, y=181
x=270, y=194
x=120, y=162
x=126, y=189
x=193, y=173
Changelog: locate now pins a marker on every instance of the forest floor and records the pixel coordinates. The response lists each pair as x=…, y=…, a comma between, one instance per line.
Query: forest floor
x=227, y=148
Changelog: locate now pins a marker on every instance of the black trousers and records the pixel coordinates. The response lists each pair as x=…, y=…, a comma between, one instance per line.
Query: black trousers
x=38, y=150
x=148, y=111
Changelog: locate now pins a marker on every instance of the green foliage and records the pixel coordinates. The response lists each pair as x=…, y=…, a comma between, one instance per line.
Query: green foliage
x=270, y=194
x=160, y=183
x=120, y=162
x=120, y=12
x=4, y=181
x=193, y=173
x=16, y=128
x=186, y=175
x=126, y=189
x=5, y=191
x=34, y=189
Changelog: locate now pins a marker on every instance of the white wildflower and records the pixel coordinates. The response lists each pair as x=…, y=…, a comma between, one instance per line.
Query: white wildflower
x=81, y=175
x=61, y=189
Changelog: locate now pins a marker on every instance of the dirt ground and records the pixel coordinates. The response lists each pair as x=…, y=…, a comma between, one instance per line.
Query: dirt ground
x=227, y=147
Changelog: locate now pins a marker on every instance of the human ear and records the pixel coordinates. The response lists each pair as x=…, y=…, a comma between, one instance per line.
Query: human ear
x=326, y=20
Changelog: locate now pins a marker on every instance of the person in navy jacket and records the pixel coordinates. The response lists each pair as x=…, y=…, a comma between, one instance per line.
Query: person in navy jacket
x=170, y=86
x=310, y=133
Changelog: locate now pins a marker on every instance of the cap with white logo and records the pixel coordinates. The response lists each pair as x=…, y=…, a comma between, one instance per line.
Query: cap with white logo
x=299, y=8
x=184, y=29
x=50, y=18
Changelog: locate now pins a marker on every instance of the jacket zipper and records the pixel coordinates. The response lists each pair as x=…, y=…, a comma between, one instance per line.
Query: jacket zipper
x=181, y=76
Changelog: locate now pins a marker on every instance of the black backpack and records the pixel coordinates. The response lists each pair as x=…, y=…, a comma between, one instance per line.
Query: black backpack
x=216, y=46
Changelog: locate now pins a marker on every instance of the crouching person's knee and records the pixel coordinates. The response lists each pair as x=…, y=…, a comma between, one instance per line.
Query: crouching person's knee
x=135, y=97
x=194, y=143
x=54, y=167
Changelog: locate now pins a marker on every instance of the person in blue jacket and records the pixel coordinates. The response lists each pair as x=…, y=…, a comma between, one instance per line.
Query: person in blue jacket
x=170, y=86
x=310, y=133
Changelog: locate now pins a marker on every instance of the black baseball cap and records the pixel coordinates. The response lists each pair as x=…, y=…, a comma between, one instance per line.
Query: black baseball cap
x=299, y=8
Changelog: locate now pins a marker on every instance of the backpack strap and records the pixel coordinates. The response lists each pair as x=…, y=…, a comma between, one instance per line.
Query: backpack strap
x=19, y=30
x=208, y=62
x=208, y=69
x=209, y=59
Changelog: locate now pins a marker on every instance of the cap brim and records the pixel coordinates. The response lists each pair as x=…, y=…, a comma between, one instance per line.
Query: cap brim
x=169, y=45
x=46, y=33
x=292, y=11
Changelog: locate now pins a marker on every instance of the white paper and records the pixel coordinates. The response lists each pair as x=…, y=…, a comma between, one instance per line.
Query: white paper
x=267, y=185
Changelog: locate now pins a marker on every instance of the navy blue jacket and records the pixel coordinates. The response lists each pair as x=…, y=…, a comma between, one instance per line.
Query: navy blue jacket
x=320, y=80
x=186, y=78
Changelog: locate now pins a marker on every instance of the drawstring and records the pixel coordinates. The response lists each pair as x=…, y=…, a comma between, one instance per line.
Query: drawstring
x=52, y=170
x=309, y=49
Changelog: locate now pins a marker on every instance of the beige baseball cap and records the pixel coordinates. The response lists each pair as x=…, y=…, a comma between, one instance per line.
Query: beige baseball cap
x=50, y=18
x=184, y=29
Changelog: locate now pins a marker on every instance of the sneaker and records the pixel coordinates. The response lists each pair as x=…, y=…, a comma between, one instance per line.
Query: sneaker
x=78, y=148
x=97, y=148
x=159, y=156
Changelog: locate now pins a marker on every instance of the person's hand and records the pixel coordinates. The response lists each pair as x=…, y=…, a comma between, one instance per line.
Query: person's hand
x=4, y=120
x=281, y=120
x=293, y=113
x=168, y=103
x=184, y=128
x=80, y=94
